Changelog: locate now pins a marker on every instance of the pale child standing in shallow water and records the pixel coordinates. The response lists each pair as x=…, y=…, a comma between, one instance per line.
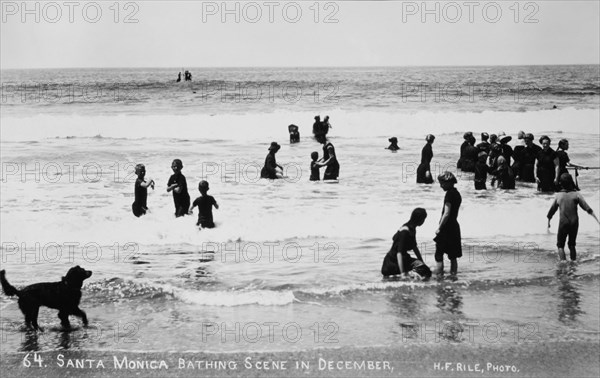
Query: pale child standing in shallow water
x=567, y=201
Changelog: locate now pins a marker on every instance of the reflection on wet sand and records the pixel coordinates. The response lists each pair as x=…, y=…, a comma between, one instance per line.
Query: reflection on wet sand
x=569, y=304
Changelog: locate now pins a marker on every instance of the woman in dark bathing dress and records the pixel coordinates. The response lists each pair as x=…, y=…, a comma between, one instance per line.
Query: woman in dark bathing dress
x=546, y=166
x=424, y=169
x=448, y=239
x=329, y=160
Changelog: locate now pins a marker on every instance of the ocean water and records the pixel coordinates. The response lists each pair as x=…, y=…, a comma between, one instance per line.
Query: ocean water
x=292, y=264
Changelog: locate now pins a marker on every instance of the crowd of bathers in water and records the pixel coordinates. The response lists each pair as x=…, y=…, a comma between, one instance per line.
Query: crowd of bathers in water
x=530, y=163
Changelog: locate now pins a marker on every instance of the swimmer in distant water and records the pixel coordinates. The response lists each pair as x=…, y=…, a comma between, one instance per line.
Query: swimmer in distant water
x=294, y=133
x=269, y=170
x=424, y=169
x=179, y=77
x=448, y=238
x=393, y=144
x=567, y=201
x=315, y=175
x=139, y=205
x=205, y=204
x=178, y=185
x=397, y=260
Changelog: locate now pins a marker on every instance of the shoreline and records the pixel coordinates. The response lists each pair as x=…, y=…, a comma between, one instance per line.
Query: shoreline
x=547, y=359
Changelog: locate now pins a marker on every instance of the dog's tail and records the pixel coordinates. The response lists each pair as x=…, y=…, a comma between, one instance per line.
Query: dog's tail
x=9, y=289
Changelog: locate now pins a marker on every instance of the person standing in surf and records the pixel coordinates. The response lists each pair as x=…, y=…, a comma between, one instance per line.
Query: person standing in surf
x=424, y=169
x=448, y=239
x=525, y=159
x=481, y=171
x=329, y=160
x=546, y=166
x=564, y=161
x=397, y=260
x=467, y=137
x=205, y=204
x=140, y=190
x=178, y=185
x=269, y=170
x=567, y=201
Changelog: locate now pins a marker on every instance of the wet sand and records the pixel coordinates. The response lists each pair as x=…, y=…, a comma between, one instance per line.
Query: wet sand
x=549, y=359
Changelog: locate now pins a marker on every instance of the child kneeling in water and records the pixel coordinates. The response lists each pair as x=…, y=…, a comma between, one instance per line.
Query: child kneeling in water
x=398, y=261
x=205, y=204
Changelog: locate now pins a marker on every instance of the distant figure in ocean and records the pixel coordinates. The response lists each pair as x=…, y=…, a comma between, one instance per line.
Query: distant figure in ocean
x=178, y=185
x=504, y=175
x=329, y=159
x=315, y=165
x=567, y=201
x=294, y=134
x=269, y=171
x=448, y=238
x=546, y=166
x=470, y=155
x=325, y=125
x=179, y=77
x=424, y=169
x=393, y=144
x=521, y=137
x=525, y=157
x=205, y=204
x=564, y=161
x=317, y=127
x=140, y=190
x=397, y=261
x=481, y=171
x=505, y=149
x=495, y=151
x=467, y=137
x=484, y=146
x=188, y=76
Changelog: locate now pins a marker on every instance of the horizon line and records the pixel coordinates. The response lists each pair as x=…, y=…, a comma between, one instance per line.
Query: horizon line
x=322, y=67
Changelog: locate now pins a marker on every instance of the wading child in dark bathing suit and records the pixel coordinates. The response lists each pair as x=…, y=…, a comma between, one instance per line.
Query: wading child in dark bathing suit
x=315, y=175
x=178, y=185
x=139, y=206
x=205, y=204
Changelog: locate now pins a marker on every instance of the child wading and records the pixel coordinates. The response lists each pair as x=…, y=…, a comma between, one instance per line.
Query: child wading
x=205, y=204
x=178, y=184
x=140, y=190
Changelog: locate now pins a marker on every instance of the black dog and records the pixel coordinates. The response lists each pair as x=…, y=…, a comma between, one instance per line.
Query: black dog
x=63, y=296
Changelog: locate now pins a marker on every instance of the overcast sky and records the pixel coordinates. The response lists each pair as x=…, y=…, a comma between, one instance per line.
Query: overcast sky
x=336, y=33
